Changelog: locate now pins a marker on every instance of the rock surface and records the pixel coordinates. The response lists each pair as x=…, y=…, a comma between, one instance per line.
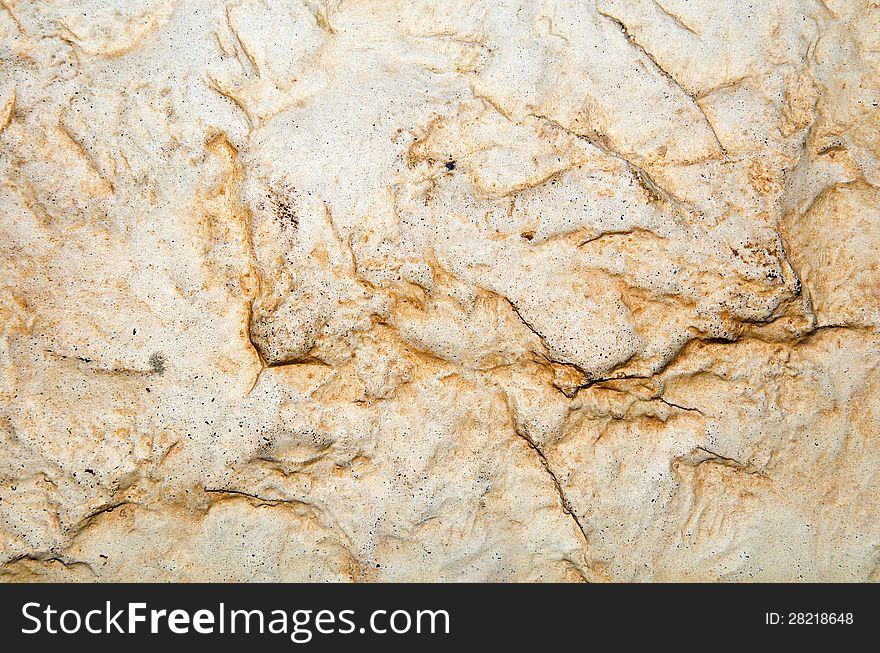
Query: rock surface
x=374, y=290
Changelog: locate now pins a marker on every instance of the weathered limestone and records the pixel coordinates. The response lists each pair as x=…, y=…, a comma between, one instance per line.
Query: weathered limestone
x=373, y=290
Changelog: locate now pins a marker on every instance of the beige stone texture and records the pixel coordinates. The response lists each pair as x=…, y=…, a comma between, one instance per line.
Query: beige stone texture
x=405, y=290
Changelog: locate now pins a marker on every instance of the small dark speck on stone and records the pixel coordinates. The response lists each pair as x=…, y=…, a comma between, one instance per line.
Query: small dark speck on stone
x=157, y=363
x=450, y=165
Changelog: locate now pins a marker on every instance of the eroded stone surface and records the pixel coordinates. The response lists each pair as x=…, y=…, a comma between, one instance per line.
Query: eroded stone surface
x=382, y=290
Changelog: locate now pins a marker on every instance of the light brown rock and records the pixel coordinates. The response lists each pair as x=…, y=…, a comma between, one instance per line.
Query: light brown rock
x=376, y=290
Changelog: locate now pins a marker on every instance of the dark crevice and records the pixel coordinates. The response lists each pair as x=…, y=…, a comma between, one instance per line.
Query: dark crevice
x=638, y=46
x=563, y=498
x=254, y=497
x=680, y=407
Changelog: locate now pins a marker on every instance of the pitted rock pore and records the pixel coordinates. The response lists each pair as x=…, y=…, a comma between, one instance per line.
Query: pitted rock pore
x=412, y=291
